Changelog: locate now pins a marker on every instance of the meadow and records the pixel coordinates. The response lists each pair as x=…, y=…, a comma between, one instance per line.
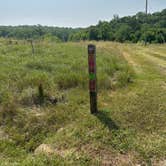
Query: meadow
x=44, y=104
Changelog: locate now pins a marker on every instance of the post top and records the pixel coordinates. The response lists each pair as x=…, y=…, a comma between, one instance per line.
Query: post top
x=91, y=49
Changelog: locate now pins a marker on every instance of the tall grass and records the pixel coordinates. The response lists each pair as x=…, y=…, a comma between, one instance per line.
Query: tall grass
x=58, y=67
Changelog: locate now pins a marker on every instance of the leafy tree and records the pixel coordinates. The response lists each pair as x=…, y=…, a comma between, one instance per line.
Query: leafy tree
x=123, y=33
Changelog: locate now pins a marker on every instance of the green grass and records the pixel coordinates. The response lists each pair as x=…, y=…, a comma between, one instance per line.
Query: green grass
x=130, y=125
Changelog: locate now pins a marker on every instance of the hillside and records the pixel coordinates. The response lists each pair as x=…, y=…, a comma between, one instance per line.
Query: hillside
x=44, y=104
x=140, y=27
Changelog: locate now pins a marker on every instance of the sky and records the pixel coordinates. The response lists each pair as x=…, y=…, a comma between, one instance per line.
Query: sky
x=70, y=13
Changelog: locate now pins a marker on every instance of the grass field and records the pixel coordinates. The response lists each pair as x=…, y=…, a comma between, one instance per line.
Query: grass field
x=44, y=105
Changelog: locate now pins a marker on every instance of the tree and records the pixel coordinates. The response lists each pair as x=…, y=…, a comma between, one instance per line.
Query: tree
x=123, y=33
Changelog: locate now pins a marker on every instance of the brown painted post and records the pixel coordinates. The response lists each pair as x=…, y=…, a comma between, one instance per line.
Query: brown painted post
x=92, y=78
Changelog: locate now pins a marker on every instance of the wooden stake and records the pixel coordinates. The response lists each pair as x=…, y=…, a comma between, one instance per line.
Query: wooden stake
x=92, y=78
x=146, y=8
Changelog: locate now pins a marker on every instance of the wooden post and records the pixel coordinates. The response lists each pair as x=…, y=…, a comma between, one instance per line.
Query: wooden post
x=146, y=8
x=41, y=94
x=92, y=78
x=32, y=46
x=146, y=12
x=33, y=50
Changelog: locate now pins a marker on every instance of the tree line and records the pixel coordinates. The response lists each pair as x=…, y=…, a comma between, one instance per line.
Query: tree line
x=140, y=27
x=36, y=32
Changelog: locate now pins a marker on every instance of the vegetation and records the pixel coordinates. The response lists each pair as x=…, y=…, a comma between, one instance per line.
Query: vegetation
x=44, y=102
x=36, y=32
x=140, y=27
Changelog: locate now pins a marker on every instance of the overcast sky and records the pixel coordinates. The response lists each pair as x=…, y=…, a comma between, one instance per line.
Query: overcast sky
x=70, y=13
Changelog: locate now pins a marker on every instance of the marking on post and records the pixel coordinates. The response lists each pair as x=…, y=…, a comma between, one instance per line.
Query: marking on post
x=92, y=78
